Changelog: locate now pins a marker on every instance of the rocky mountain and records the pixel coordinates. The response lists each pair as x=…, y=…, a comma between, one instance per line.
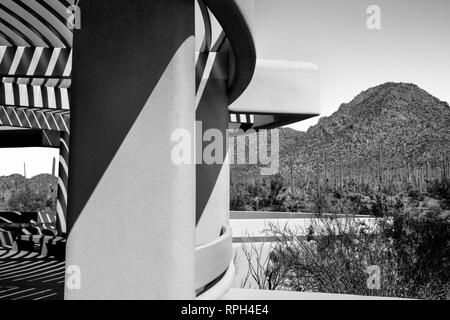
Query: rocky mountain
x=35, y=194
x=393, y=123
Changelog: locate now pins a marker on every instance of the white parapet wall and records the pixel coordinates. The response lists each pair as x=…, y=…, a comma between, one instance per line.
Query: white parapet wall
x=250, y=232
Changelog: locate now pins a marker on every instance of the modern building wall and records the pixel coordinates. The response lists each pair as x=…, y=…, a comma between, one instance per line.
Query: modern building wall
x=131, y=215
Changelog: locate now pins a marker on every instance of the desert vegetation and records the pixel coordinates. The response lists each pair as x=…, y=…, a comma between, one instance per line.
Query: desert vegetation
x=421, y=188
x=383, y=155
x=18, y=193
x=410, y=242
x=410, y=248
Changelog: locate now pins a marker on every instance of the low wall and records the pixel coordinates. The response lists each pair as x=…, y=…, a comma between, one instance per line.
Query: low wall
x=249, y=229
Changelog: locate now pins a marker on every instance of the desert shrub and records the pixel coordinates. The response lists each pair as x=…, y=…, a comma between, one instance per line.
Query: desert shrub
x=268, y=271
x=352, y=203
x=411, y=251
x=258, y=194
x=421, y=242
x=383, y=206
x=295, y=203
x=389, y=188
x=413, y=192
x=29, y=200
x=239, y=196
x=320, y=202
x=440, y=189
x=272, y=193
x=376, y=205
x=276, y=190
x=268, y=193
x=338, y=194
x=333, y=257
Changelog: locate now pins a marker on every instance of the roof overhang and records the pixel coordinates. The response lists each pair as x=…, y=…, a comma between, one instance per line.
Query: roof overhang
x=26, y=138
x=280, y=93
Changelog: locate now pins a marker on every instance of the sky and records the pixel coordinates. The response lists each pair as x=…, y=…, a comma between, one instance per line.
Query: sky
x=37, y=161
x=413, y=44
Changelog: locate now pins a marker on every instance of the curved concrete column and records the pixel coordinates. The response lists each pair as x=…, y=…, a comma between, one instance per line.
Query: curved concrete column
x=131, y=210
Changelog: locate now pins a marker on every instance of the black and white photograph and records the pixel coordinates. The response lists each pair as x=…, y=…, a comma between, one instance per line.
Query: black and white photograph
x=235, y=151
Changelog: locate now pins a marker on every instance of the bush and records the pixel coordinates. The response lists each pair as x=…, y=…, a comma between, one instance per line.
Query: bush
x=27, y=200
x=440, y=190
x=268, y=193
x=294, y=203
x=412, y=252
x=421, y=243
x=239, y=196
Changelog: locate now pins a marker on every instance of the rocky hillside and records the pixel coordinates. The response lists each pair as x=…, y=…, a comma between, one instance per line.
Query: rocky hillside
x=22, y=194
x=396, y=122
